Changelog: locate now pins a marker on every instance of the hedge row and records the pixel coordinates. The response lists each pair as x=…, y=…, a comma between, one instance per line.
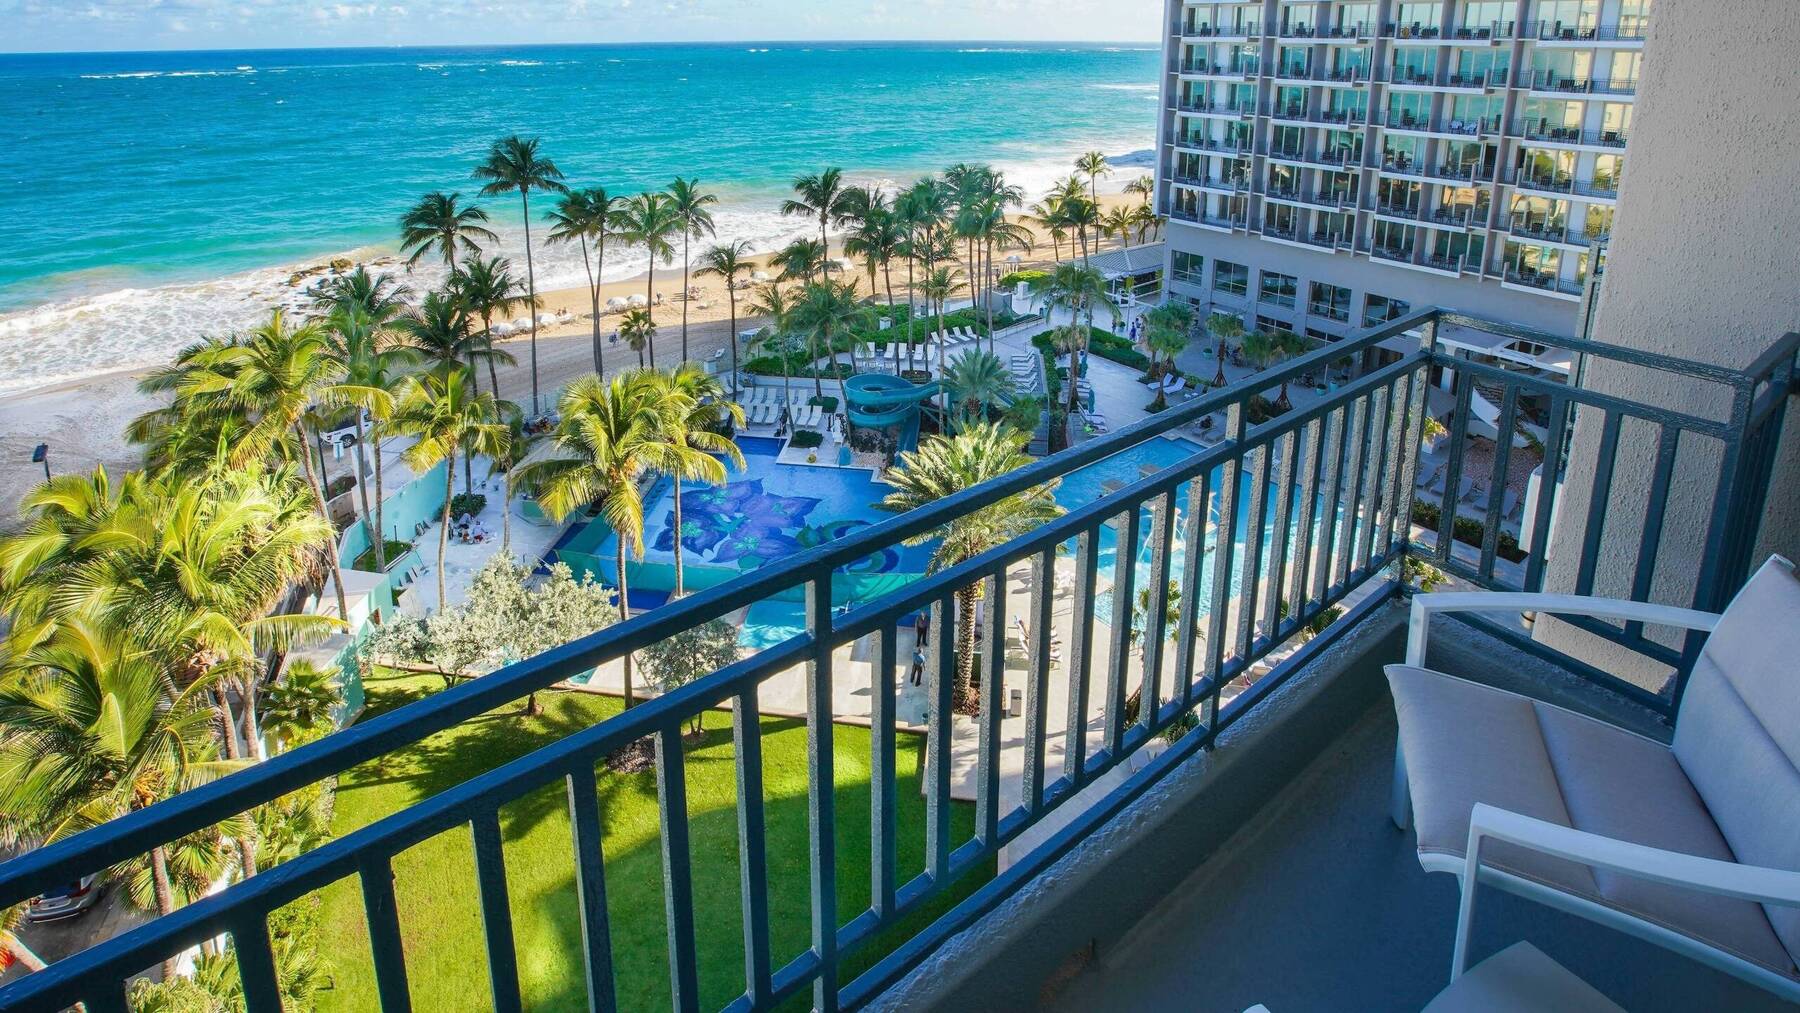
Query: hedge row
x=918, y=331
x=1467, y=530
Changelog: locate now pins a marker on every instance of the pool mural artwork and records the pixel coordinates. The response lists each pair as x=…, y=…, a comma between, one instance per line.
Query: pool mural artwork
x=771, y=509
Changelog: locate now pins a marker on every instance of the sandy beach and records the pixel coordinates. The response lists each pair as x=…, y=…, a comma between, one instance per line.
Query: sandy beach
x=83, y=421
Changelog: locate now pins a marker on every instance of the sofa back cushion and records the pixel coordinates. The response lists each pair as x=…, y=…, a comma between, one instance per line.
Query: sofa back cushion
x=1738, y=733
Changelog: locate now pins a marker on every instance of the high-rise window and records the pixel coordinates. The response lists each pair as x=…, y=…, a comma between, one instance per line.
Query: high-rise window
x=1379, y=309
x=1332, y=301
x=1278, y=289
x=1232, y=279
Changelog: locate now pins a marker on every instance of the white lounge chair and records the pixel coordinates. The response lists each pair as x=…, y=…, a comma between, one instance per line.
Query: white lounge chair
x=1690, y=845
x=1174, y=384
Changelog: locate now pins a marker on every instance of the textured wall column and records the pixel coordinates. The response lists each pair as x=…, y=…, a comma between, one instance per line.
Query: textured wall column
x=1704, y=265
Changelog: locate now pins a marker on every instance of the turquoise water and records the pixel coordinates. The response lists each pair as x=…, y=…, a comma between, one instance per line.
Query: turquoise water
x=170, y=194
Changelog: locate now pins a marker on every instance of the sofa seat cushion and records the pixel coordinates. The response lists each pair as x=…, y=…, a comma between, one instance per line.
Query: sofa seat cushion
x=1466, y=743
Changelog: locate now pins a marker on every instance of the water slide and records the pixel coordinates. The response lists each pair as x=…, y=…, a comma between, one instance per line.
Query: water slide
x=881, y=399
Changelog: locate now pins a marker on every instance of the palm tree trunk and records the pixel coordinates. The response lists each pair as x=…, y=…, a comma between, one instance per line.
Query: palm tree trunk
x=650, y=308
x=593, y=301
x=988, y=302
x=227, y=723
x=684, y=297
x=943, y=404
x=362, y=488
x=531, y=293
x=624, y=613
x=444, y=531
x=732, y=338
x=818, y=385
x=21, y=953
x=318, y=491
x=165, y=898
x=487, y=341
x=506, y=518
x=248, y=721
x=599, y=282
x=963, y=698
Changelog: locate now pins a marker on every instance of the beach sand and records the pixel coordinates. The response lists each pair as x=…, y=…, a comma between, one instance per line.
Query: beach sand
x=83, y=421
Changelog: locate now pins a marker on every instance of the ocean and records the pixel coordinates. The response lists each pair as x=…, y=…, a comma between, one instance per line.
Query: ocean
x=156, y=198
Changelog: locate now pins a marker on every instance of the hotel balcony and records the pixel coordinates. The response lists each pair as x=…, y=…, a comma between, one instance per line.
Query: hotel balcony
x=1603, y=190
x=1220, y=33
x=1551, y=85
x=1302, y=114
x=1544, y=283
x=1218, y=110
x=1212, y=145
x=1214, y=184
x=1202, y=70
x=1414, y=34
x=1549, y=135
x=1183, y=807
x=1556, y=34
x=1448, y=127
x=1411, y=169
x=1348, y=33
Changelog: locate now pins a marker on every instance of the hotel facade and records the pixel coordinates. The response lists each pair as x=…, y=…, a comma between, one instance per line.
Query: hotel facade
x=1329, y=166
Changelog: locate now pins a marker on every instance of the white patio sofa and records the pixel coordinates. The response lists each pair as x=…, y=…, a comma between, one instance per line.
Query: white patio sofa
x=1694, y=846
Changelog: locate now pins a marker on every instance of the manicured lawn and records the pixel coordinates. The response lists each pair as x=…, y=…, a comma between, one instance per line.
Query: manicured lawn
x=435, y=882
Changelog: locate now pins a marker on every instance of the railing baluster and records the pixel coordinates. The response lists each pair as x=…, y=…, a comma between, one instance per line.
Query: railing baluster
x=882, y=803
x=1081, y=656
x=256, y=963
x=1193, y=554
x=937, y=744
x=1412, y=436
x=993, y=678
x=1490, y=537
x=1656, y=510
x=496, y=910
x=1231, y=482
x=1548, y=482
x=1310, y=440
x=590, y=882
x=1592, y=534
x=1381, y=477
x=1334, y=433
x=1353, y=514
x=677, y=856
x=1257, y=466
x=1285, y=490
x=1162, y=537
x=1459, y=433
x=383, y=918
x=1037, y=688
x=753, y=857
x=1123, y=594
x=821, y=785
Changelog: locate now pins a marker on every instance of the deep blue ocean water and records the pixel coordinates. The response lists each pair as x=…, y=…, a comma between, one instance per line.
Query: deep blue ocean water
x=164, y=195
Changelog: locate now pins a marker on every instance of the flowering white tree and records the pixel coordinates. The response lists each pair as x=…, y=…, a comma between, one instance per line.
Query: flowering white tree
x=504, y=618
x=680, y=658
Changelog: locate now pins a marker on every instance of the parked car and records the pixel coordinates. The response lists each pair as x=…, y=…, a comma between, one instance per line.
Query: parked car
x=66, y=902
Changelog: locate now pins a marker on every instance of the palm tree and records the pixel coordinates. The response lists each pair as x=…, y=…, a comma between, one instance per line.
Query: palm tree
x=274, y=378
x=1077, y=289
x=1082, y=215
x=507, y=458
x=371, y=361
x=945, y=466
x=1119, y=222
x=939, y=285
x=445, y=413
x=302, y=702
x=487, y=289
x=513, y=164
x=827, y=311
x=70, y=522
x=921, y=211
x=11, y=921
x=606, y=435
x=800, y=261
x=380, y=297
x=440, y=224
x=690, y=204
x=95, y=729
x=1144, y=187
x=821, y=195
x=1046, y=215
x=877, y=240
x=1268, y=349
x=978, y=380
x=581, y=216
x=1145, y=219
x=776, y=338
x=1225, y=329
x=1093, y=165
x=648, y=220
x=727, y=261
x=994, y=229
x=439, y=333
x=638, y=328
x=690, y=449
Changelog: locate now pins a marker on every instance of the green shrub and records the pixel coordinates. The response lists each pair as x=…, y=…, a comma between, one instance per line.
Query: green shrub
x=1104, y=344
x=1467, y=530
x=466, y=503
x=1009, y=280
x=828, y=402
x=340, y=485
x=806, y=439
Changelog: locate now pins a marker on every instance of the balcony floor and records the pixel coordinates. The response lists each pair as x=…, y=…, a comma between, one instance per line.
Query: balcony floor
x=1319, y=904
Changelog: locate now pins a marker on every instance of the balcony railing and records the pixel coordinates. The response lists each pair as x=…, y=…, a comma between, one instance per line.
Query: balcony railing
x=1413, y=30
x=1349, y=30
x=1538, y=130
x=1545, y=281
x=1551, y=81
x=1556, y=31
x=1322, y=496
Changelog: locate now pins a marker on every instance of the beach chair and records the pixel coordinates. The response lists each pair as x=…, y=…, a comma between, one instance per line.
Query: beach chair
x=1176, y=384
x=1428, y=479
x=1509, y=502
x=815, y=414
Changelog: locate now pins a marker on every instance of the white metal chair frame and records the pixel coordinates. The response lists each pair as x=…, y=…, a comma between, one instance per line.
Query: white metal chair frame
x=1491, y=823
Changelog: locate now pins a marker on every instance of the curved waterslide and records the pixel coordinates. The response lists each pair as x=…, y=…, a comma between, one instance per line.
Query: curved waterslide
x=882, y=399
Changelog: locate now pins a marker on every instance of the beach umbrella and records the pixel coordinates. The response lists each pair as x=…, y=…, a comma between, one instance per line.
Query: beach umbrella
x=522, y=324
x=636, y=299
x=502, y=330
x=546, y=319
x=759, y=276
x=616, y=303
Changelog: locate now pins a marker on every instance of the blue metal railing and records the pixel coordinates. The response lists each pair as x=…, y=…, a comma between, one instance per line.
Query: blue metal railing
x=1322, y=495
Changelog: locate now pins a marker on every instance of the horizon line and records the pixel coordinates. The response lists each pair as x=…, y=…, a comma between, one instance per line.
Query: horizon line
x=1150, y=43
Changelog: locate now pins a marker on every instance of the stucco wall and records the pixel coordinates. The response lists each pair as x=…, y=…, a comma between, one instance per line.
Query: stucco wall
x=1703, y=265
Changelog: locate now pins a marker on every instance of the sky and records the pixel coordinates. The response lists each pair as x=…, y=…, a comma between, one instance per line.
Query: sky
x=90, y=25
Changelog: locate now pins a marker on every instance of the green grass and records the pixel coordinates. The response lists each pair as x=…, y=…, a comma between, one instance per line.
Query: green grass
x=435, y=884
